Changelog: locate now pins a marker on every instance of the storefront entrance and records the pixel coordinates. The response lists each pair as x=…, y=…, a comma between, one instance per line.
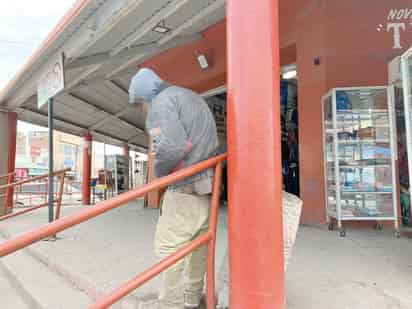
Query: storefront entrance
x=217, y=99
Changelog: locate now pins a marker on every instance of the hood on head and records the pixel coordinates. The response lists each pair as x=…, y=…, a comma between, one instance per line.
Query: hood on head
x=144, y=86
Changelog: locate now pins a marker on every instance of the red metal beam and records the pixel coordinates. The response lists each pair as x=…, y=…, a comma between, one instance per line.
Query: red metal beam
x=254, y=156
x=87, y=169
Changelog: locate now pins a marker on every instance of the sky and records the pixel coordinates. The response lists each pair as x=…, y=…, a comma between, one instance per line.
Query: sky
x=24, y=24
x=27, y=127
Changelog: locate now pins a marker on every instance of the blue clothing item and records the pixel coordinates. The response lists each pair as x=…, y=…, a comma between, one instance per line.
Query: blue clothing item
x=145, y=86
x=343, y=101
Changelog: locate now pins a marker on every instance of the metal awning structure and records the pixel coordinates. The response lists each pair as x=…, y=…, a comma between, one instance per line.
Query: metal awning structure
x=103, y=42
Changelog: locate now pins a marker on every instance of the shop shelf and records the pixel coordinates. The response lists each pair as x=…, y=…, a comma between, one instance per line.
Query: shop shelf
x=358, y=150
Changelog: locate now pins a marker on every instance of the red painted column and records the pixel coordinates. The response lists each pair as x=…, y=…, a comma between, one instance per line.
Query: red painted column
x=126, y=150
x=12, y=137
x=87, y=168
x=254, y=164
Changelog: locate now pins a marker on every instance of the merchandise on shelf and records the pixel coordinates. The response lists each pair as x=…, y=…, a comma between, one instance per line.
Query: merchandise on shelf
x=358, y=155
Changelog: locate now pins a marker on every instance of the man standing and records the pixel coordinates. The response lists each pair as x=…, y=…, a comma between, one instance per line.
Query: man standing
x=182, y=132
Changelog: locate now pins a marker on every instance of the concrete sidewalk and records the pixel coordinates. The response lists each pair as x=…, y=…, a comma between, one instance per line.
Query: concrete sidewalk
x=367, y=269
x=100, y=255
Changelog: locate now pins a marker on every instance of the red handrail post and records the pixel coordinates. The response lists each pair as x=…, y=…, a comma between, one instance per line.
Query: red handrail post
x=9, y=191
x=60, y=195
x=87, y=168
x=210, y=265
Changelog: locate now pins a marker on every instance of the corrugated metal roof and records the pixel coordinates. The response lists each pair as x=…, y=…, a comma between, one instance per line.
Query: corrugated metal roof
x=103, y=42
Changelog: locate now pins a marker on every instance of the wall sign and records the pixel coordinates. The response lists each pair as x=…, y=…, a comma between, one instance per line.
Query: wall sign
x=35, y=151
x=51, y=83
x=398, y=22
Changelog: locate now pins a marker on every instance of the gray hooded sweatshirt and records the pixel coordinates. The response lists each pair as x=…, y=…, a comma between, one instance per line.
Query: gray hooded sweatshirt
x=181, y=128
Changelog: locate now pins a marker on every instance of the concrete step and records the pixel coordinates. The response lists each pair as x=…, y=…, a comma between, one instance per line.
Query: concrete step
x=27, y=283
x=10, y=287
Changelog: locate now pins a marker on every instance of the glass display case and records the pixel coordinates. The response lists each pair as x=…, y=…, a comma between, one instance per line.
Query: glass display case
x=359, y=156
x=406, y=63
x=119, y=166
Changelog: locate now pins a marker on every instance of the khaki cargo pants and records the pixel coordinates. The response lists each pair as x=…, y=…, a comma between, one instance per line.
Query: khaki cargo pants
x=183, y=218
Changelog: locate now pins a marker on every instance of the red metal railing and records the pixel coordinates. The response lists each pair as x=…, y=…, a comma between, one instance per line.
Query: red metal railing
x=5, y=192
x=60, y=174
x=39, y=191
x=6, y=176
x=209, y=238
x=4, y=180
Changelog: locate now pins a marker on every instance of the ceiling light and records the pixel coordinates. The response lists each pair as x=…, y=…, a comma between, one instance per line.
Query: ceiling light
x=161, y=29
x=290, y=75
x=203, y=61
